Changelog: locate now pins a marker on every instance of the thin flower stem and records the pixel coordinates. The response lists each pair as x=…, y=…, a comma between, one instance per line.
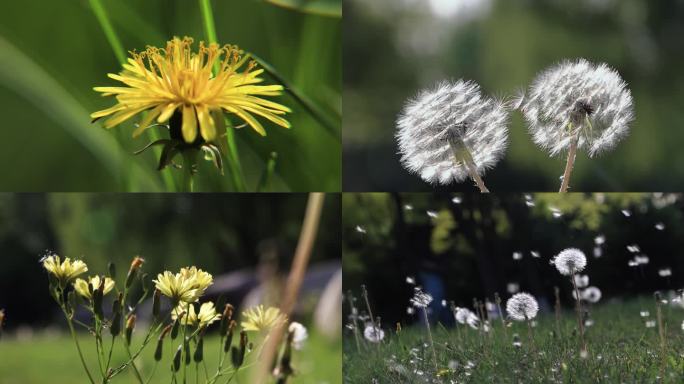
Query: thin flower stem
x=570, y=162
x=135, y=368
x=78, y=347
x=432, y=343
x=579, y=312
x=350, y=299
x=461, y=153
x=472, y=171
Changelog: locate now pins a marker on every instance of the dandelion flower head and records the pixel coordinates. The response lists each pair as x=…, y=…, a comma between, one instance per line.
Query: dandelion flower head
x=206, y=315
x=82, y=286
x=591, y=294
x=578, y=95
x=373, y=334
x=448, y=125
x=420, y=299
x=186, y=286
x=522, y=307
x=570, y=261
x=66, y=270
x=176, y=79
x=299, y=335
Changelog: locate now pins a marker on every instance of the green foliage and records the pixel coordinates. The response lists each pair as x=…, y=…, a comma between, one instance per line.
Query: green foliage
x=621, y=349
x=320, y=7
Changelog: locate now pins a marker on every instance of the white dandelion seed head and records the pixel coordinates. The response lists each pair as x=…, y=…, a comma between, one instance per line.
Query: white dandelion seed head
x=512, y=288
x=570, y=261
x=473, y=321
x=299, y=336
x=665, y=272
x=591, y=295
x=522, y=306
x=600, y=239
x=373, y=334
x=571, y=92
x=451, y=108
x=420, y=299
x=462, y=315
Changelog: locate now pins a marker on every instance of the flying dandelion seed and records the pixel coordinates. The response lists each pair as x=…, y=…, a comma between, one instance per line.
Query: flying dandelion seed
x=444, y=303
x=589, y=323
x=420, y=299
x=660, y=226
x=592, y=295
x=650, y=324
x=408, y=207
x=373, y=333
x=581, y=280
x=522, y=307
x=570, y=261
x=555, y=212
x=516, y=341
x=410, y=310
x=360, y=229
x=457, y=200
x=626, y=212
x=517, y=255
x=644, y=314
x=432, y=214
x=682, y=325
x=410, y=280
x=512, y=288
x=632, y=263
x=600, y=239
x=633, y=248
x=535, y=254
x=665, y=272
x=529, y=201
x=642, y=260
x=452, y=132
x=598, y=252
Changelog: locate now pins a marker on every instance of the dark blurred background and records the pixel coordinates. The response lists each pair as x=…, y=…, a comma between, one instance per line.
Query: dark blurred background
x=55, y=52
x=394, y=48
x=461, y=246
x=239, y=239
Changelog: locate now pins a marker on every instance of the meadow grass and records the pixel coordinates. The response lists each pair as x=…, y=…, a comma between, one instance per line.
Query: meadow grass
x=621, y=349
x=53, y=359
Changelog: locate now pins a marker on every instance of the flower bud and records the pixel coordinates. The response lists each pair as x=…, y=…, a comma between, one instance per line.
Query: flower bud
x=130, y=325
x=199, y=352
x=176, y=326
x=177, y=359
x=112, y=270
x=238, y=355
x=132, y=271
x=97, y=299
x=156, y=303
x=226, y=319
x=115, y=328
x=160, y=343
x=187, y=351
x=229, y=337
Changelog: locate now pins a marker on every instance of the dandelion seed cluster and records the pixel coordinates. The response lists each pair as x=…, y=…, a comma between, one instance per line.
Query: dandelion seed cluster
x=449, y=109
x=562, y=98
x=373, y=334
x=522, y=307
x=420, y=299
x=570, y=261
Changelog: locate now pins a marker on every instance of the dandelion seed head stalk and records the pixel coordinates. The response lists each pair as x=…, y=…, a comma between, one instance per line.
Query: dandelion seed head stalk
x=444, y=128
x=522, y=307
x=570, y=261
x=578, y=95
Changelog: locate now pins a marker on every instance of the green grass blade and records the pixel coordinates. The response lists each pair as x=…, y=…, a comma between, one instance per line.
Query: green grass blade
x=265, y=180
x=330, y=8
x=330, y=124
x=108, y=29
x=21, y=74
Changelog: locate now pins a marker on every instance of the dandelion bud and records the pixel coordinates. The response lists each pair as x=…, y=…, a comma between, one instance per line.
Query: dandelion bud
x=176, y=326
x=160, y=343
x=238, y=355
x=115, y=328
x=130, y=325
x=135, y=266
x=156, y=303
x=112, y=270
x=229, y=336
x=98, y=294
x=226, y=319
x=177, y=359
x=199, y=351
x=186, y=345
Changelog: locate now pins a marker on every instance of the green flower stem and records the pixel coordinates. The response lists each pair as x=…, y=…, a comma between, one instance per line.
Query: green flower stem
x=78, y=347
x=267, y=175
x=120, y=53
x=570, y=161
x=135, y=368
x=189, y=157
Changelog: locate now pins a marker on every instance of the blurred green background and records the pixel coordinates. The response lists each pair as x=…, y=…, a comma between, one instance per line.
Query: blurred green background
x=55, y=52
x=394, y=48
x=220, y=233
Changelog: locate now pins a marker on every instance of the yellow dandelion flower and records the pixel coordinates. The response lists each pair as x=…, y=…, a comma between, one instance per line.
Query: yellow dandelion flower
x=64, y=271
x=177, y=82
x=177, y=287
x=207, y=314
x=202, y=279
x=81, y=286
x=260, y=319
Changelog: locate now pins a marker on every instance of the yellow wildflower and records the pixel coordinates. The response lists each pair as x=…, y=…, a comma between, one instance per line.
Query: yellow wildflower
x=260, y=319
x=207, y=314
x=64, y=271
x=175, y=81
x=81, y=286
x=186, y=286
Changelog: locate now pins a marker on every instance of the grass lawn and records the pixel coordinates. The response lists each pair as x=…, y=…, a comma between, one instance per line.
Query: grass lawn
x=44, y=359
x=621, y=349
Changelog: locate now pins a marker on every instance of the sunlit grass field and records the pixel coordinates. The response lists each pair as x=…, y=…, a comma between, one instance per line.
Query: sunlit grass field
x=621, y=349
x=53, y=359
